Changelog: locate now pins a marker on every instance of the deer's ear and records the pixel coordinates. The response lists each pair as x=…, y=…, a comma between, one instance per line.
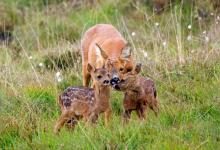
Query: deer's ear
x=100, y=53
x=90, y=68
x=137, y=68
x=126, y=52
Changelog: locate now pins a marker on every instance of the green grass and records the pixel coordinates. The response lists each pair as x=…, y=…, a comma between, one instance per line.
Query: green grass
x=186, y=74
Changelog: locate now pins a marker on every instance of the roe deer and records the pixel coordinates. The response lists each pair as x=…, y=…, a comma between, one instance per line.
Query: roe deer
x=140, y=92
x=102, y=44
x=84, y=102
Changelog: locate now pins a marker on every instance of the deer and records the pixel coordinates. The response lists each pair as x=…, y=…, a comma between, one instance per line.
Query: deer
x=84, y=102
x=101, y=45
x=139, y=94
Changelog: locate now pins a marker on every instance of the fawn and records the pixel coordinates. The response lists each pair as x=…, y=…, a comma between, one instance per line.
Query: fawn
x=140, y=92
x=84, y=102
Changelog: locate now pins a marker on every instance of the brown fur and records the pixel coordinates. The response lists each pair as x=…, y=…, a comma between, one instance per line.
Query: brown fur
x=140, y=92
x=102, y=44
x=84, y=102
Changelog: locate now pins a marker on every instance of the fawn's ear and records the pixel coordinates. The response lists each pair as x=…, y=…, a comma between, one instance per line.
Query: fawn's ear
x=126, y=52
x=138, y=68
x=100, y=53
x=90, y=68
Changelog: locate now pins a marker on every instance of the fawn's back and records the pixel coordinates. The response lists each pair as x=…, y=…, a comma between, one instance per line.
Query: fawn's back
x=80, y=99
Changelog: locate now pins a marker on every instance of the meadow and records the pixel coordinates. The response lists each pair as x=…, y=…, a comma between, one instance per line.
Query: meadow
x=178, y=49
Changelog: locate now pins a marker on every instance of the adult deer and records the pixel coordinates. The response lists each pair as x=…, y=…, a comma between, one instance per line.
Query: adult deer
x=103, y=45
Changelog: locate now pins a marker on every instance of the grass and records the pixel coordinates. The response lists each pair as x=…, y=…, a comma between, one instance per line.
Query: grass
x=46, y=41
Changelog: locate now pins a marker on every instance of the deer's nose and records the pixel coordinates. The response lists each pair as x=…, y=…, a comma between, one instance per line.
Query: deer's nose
x=106, y=81
x=114, y=81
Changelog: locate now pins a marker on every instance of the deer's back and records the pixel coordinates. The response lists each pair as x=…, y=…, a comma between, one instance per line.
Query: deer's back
x=107, y=37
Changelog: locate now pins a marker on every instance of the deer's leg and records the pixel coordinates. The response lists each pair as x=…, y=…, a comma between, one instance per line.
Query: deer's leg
x=65, y=116
x=86, y=75
x=108, y=113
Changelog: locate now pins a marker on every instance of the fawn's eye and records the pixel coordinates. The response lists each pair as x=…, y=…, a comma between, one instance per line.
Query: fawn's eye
x=99, y=76
x=121, y=69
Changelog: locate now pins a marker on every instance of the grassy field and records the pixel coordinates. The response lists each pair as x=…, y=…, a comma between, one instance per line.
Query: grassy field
x=180, y=52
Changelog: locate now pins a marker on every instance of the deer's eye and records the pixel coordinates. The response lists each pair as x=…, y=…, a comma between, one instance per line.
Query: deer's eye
x=121, y=69
x=99, y=76
x=122, y=80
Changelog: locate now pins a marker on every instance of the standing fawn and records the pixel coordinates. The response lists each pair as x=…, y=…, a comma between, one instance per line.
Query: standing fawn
x=140, y=92
x=86, y=103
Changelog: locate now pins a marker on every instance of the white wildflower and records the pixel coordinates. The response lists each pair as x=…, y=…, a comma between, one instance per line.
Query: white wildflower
x=59, y=79
x=145, y=54
x=40, y=64
x=204, y=32
x=212, y=14
x=189, y=38
x=30, y=57
x=190, y=27
x=206, y=38
x=133, y=34
x=156, y=24
x=58, y=74
x=218, y=18
x=164, y=43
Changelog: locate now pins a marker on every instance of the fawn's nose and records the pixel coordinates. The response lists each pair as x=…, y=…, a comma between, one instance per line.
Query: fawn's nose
x=114, y=81
x=116, y=86
x=106, y=81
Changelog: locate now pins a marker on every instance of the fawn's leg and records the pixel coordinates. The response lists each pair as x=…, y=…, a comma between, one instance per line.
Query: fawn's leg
x=70, y=124
x=126, y=116
x=107, y=114
x=86, y=75
x=66, y=115
x=94, y=115
x=141, y=111
x=154, y=106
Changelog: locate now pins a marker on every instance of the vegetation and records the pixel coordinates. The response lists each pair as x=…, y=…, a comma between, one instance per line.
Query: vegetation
x=179, y=50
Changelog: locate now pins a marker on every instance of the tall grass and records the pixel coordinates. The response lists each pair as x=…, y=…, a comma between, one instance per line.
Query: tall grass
x=46, y=42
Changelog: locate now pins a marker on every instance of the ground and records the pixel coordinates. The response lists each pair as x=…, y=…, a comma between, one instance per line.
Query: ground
x=179, y=50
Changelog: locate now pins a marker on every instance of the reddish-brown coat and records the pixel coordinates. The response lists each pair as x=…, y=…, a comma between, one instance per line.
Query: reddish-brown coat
x=140, y=92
